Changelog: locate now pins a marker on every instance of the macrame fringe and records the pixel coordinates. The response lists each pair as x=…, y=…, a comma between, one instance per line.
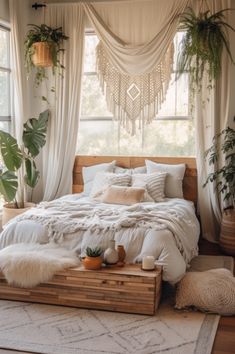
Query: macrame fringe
x=134, y=100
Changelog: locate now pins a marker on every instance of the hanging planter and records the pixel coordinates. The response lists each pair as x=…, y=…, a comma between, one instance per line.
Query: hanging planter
x=42, y=48
x=202, y=45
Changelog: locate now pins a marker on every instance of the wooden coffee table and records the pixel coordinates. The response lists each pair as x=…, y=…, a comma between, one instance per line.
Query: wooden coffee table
x=124, y=289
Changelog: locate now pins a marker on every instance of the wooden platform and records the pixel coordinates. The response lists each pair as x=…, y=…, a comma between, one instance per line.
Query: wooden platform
x=124, y=289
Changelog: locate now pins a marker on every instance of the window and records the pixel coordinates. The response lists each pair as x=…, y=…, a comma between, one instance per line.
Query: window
x=170, y=134
x=5, y=72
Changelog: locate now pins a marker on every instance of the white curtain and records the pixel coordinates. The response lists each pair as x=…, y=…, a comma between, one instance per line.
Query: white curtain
x=211, y=117
x=135, y=56
x=60, y=150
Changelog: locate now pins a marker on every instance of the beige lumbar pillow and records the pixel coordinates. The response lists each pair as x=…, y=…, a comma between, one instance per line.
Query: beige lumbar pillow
x=212, y=290
x=123, y=195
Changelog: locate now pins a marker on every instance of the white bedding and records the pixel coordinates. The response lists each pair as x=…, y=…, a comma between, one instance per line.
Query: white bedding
x=168, y=230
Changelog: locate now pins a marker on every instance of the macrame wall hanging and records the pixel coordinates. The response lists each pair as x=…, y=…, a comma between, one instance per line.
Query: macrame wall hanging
x=134, y=100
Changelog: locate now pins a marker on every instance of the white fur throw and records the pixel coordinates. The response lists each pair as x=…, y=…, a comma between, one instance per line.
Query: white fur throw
x=27, y=265
x=212, y=290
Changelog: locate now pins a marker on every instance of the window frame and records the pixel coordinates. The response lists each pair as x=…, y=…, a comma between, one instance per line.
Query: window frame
x=7, y=69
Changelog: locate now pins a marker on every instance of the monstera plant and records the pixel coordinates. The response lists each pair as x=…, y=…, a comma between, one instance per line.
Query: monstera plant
x=20, y=170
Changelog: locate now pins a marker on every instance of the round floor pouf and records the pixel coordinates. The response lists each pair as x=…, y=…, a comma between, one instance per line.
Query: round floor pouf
x=227, y=233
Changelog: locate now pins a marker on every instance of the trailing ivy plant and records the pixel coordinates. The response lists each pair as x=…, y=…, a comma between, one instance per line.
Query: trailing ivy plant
x=43, y=33
x=16, y=158
x=224, y=177
x=202, y=45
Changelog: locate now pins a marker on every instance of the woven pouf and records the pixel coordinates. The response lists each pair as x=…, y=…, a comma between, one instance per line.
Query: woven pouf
x=212, y=290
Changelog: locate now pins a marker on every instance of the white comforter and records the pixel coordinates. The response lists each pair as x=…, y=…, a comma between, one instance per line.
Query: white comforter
x=169, y=230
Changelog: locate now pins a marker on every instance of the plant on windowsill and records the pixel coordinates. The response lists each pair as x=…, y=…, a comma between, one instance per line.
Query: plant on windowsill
x=20, y=170
x=93, y=259
x=224, y=180
x=202, y=46
x=42, y=48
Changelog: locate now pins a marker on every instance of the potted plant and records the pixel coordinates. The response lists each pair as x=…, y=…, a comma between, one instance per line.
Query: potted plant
x=202, y=45
x=93, y=259
x=42, y=48
x=224, y=181
x=20, y=170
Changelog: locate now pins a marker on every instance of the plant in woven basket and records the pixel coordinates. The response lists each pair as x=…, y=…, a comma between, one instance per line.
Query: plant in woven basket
x=224, y=177
x=93, y=259
x=202, y=45
x=42, y=48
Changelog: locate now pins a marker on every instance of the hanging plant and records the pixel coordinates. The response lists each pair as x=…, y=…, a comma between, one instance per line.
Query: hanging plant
x=202, y=45
x=42, y=48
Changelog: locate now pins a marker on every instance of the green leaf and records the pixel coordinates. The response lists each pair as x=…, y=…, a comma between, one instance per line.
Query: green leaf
x=32, y=174
x=34, y=133
x=10, y=151
x=8, y=185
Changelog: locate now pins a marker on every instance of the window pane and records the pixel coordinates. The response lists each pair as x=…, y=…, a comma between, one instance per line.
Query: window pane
x=4, y=48
x=93, y=100
x=6, y=127
x=91, y=42
x=97, y=138
x=4, y=93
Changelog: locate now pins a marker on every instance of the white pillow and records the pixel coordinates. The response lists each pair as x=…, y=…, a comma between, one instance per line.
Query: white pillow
x=103, y=180
x=89, y=173
x=141, y=169
x=154, y=183
x=174, y=178
x=212, y=290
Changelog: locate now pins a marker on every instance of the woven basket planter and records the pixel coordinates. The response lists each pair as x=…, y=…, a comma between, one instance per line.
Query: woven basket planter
x=9, y=211
x=227, y=233
x=42, y=54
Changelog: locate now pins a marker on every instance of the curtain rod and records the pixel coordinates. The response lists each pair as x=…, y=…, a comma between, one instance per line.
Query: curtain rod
x=36, y=5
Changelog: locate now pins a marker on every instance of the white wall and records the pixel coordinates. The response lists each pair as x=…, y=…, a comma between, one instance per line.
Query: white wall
x=4, y=10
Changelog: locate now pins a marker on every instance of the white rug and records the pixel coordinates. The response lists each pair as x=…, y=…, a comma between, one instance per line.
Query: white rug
x=60, y=330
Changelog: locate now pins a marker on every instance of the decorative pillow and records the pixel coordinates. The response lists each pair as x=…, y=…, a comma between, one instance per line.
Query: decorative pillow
x=105, y=179
x=212, y=290
x=174, y=179
x=154, y=183
x=123, y=195
x=89, y=173
x=141, y=169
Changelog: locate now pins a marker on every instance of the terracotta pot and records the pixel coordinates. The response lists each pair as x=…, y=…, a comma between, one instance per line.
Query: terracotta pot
x=227, y=232
x=92, y=263
x=9, y=211
x=42, y=54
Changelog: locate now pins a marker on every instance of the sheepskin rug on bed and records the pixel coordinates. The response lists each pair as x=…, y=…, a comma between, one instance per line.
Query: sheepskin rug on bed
x=26, y=265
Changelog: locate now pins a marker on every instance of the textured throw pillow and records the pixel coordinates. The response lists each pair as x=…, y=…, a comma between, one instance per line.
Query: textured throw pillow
x=141, y=169
x=154, y=183
x=212, y=290
x=105, y=179
x=174, y=179
x=123, y=195
x=89, y=173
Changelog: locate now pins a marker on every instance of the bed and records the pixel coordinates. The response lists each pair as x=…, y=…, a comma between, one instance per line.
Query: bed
x=168, y=229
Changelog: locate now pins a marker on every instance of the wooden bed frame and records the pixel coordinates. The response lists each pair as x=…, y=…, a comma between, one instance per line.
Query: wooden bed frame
x=189, y=181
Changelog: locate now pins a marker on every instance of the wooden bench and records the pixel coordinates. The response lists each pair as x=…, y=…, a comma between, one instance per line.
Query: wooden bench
x=124, y=289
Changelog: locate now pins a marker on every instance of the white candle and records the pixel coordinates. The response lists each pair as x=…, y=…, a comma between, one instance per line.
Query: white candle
x=148, y=263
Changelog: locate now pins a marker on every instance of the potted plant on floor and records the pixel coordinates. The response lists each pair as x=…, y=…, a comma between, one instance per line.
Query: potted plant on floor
x=20, y=170
x=202, y=45
x=224, y=180
x=42, y=48
x=93, y=259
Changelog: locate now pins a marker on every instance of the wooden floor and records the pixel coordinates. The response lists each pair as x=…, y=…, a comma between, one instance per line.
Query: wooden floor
x=225, y=337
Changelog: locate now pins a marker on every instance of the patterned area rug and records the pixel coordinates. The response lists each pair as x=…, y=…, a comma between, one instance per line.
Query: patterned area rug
x=61, y=330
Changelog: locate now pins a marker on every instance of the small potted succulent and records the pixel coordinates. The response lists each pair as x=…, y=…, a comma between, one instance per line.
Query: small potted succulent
x=42, y=48
x=93, y=259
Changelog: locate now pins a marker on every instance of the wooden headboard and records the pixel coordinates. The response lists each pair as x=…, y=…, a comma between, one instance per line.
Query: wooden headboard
x=189, y=182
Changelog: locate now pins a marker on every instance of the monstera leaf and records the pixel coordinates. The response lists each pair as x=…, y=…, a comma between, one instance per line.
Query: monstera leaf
x=34, y=133
x=32, y=174
x=8, y=185
x=10, y=151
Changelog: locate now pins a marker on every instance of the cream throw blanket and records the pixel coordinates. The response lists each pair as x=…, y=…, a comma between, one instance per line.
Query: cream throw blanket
x=27, y=265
